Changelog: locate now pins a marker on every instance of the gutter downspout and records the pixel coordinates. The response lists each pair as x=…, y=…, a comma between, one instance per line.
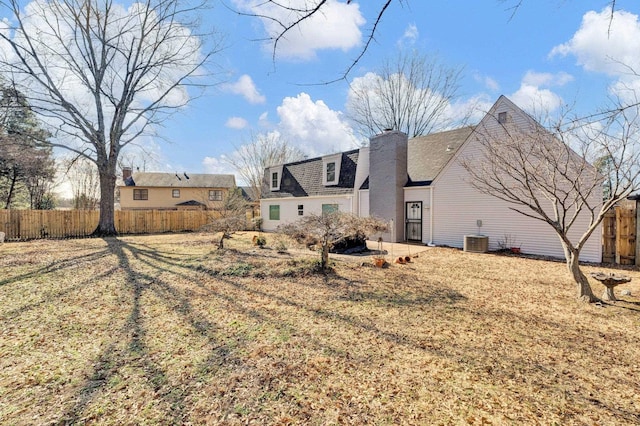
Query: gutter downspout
x=430, y=244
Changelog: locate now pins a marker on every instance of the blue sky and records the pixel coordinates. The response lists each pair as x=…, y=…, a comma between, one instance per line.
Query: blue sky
x=551, y=53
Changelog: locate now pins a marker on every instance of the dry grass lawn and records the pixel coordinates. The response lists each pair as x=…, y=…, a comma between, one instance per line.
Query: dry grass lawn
x=168, y=330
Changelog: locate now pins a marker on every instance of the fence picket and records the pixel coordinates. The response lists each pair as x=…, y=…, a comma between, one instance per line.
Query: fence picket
x=33, y=224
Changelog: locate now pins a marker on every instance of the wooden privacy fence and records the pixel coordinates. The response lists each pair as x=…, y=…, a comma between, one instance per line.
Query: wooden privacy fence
x=619, y=230
x=32, y=224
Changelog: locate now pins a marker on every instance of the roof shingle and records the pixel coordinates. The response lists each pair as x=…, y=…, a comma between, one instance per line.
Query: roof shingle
x=174, y=180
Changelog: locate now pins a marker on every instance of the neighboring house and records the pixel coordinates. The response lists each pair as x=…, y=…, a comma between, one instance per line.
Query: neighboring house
x=172, y=191
x=253, y=200
x=419, y=185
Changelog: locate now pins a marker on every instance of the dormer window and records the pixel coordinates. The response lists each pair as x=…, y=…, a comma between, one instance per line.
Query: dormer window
x=331, y=172
x=331, y=169
x=275, y=175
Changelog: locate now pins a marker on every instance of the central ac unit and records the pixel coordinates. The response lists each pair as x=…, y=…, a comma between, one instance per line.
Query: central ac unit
x=476, y=243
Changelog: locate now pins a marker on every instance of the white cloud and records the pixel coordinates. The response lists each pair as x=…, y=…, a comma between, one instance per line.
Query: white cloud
x=534, y=94
x=605, y=44
x=310, y=126
x=534, y=99
x=609, y=45
x=335, y=26
x=314, y=127
x=236, y=123
x=246, y=88
x=263, y=120
x=532, y=78
x=411, y=32
x=218, y=166
x=469, y=111
x=487, y=81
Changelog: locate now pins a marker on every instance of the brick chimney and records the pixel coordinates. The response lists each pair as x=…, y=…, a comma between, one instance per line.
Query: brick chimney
x=126, y=173
x=387, y=178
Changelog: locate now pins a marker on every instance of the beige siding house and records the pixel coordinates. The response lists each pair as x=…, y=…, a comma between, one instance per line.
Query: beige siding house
x=172, y=191
x=421, y=187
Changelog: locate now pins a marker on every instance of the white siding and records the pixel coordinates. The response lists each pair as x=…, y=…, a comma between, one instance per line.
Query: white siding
x=421, y=194
x=457, y=207
x=363, y=205
x=289, y=208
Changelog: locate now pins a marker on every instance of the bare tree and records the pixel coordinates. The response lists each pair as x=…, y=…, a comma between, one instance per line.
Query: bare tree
x=102, y=75
x=228, y=216
x=264, y=150
x=410, y=93
x=329, y=228
x=547, y=174
x=85, y=183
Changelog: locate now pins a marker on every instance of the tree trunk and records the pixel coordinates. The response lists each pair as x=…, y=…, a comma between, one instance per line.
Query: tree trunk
x=12, y=188
x=221, y=242
x=585, y=294
x=324, y=261
x=106, y=224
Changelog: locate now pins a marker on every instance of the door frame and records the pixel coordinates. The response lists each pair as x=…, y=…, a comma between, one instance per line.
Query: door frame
x=413, y=222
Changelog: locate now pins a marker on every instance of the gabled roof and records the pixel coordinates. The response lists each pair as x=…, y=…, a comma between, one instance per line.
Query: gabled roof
x=191, y=203
x=304, y=178
x=249, y=194
x=427, y=155
x=174, y=180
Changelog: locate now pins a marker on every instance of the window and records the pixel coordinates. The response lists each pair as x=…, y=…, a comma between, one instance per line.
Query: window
x=502, y=117
x=329, y=208
x=274, y=212
x=140, y=194
x=175, y=193
x=300, y=210
x=274, y=177
x=215, y=195
x=331, y=172
x=331, y=169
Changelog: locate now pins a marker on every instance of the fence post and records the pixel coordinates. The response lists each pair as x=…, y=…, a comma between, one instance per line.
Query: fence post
x=637, y=262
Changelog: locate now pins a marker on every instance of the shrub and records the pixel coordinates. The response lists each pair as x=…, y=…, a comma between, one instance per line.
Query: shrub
x=260, y=241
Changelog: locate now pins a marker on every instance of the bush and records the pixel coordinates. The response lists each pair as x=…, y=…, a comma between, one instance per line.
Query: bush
x=260, y=241
x=350, y=244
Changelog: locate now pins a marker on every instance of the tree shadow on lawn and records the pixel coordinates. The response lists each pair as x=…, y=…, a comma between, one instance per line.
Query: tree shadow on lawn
x=52, y=297
x=58, y=265
x=147, y=278
x=113, y=359
x=136, y=354
x=478, y=358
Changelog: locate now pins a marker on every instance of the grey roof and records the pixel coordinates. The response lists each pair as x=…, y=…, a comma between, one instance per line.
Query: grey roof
x=304, y=178
x=248, y=193
x=427, y=155
x=191, y=203
x=174, y=180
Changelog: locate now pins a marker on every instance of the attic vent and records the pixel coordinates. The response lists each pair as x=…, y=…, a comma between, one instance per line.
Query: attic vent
x=502, y=117
x=476, y=243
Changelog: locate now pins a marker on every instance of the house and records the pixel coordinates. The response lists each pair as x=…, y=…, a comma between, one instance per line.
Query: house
x=172, y=191
x=420, y=186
